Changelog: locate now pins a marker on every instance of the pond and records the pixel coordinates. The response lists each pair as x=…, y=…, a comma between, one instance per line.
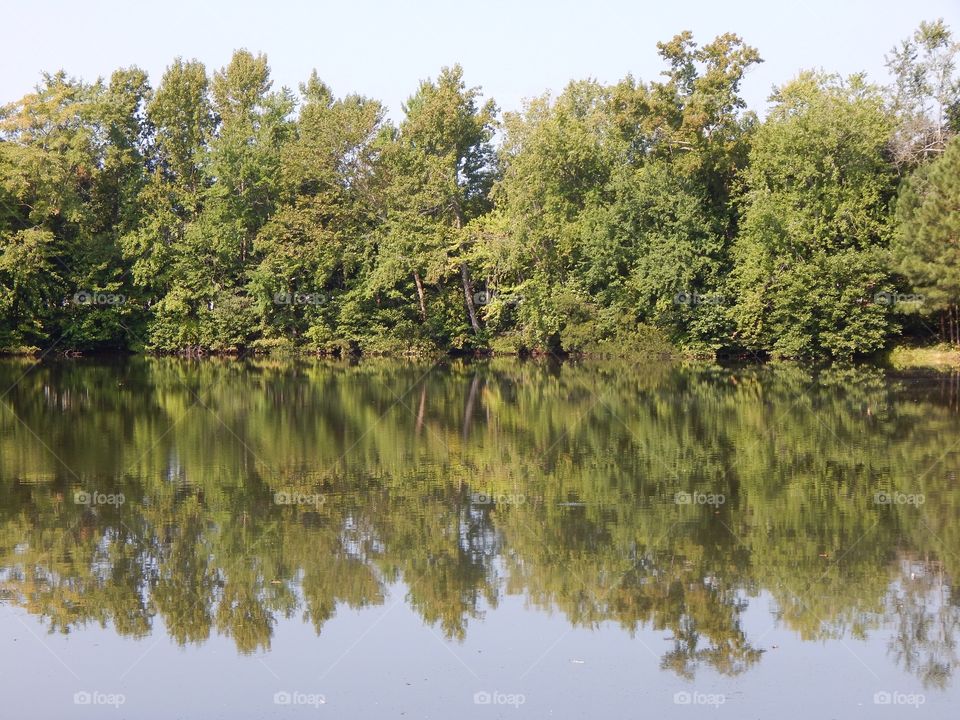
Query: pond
x=484, y=539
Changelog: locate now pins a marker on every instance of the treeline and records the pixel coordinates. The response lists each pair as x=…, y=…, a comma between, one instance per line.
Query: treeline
x=214, y=213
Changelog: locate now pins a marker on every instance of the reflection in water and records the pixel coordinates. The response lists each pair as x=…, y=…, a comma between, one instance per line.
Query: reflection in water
x=221, y=496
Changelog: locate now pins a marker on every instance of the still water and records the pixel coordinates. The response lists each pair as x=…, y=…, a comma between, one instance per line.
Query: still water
x=503, y=539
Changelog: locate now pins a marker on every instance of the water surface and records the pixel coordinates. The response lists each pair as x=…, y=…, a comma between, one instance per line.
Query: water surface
x=261, y=539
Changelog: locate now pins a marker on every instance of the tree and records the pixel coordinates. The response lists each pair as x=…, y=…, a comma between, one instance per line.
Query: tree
x=312, y=251
x=617, y=200
x=182, y=122
x=439, y=169
x=678, y=255
x=245, y=152
x=696, y=118
x=925, y=95
x=557, y=158
x=808, y=260
x=70, y=170
x=215, y=184
x=926, y=247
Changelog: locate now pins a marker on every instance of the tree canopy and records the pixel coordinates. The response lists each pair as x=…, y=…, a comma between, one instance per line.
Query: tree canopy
x=218, y=213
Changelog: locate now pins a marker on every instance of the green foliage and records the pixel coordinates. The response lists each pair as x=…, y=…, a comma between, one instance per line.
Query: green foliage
x=925, y=249
x=437, y=174
x=70, y=172
x=817, y=191
x=216, y=213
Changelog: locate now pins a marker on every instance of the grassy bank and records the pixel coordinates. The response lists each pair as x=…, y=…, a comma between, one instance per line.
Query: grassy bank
x=932, y=356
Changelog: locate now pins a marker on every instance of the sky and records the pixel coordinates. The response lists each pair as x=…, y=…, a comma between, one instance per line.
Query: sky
x=513, y=49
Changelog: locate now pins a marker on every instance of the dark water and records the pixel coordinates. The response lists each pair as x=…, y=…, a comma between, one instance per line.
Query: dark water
x=476, y=540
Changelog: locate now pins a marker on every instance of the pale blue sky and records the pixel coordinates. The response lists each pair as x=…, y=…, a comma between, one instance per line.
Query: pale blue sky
x=512, y=48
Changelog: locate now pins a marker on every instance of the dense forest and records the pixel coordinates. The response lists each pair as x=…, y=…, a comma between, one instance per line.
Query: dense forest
x=213, y=213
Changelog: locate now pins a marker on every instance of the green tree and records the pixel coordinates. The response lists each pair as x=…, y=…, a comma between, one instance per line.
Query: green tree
x=215, y=185
x=617, y=200
x=182, y=122
x=695, y=118
x=313, y=251
x=808, y=261
x=925, y=247
x=558, y=157
x=439, y=170
x=70, y=169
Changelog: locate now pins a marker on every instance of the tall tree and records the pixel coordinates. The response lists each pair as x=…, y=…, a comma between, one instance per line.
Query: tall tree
x=696, y=117
x=182, y=123
x=46, y=170
x=313, y=248
x=925, y=95
x=557, y=157
x=818, y=187
x=70, y=169
x=926, y=248
x=215, y=184
x=440, y=170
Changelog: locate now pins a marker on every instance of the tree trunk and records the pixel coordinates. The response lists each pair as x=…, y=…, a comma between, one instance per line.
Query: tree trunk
x=468, y=297
x=465, y=277
x=421, y=296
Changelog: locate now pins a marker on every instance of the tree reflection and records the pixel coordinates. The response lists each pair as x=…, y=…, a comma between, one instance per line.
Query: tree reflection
x=581, y=465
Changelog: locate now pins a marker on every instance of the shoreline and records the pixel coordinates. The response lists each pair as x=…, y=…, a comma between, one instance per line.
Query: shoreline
x=939, y=357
